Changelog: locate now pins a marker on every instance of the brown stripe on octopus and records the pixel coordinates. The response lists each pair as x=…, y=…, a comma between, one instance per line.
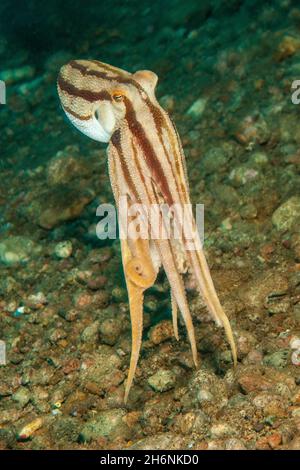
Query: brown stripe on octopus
x=110, y=68
x=160, y=124
x=76, y=115
x=116, y=143
x=150, y=156
x=87, y=95
x=123, y=79
x=84, y=70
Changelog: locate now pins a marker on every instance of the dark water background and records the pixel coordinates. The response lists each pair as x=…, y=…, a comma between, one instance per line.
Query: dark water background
x=130, y=34
x=42, y=28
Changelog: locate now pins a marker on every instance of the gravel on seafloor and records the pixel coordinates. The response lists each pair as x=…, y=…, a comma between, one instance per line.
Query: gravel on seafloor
x=63, y=303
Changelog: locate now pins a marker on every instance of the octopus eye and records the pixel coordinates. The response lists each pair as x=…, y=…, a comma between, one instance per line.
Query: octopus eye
x=118, y=96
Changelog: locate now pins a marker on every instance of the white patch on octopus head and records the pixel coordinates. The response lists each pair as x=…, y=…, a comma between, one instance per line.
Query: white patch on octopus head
x=100, y=126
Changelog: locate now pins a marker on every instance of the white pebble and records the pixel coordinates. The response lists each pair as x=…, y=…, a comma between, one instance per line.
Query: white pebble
x=63, y=249
x=197, y=108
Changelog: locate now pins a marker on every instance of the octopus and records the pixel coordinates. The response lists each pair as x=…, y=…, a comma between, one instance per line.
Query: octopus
x=146, y=166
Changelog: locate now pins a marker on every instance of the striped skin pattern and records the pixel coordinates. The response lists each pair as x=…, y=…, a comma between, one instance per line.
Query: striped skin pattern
x=147, y=166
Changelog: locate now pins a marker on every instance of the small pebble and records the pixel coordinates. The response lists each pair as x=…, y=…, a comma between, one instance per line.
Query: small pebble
x=220, y=430
x=197, y=108
x=63, y=249
x=162, y=381
x=234, y=444
x=287, y=215
x=161, y=332
x=194, y=421
x=110, y=330
x=22, y=396
x=109, y=423
x=278, y=359
x=29, y=429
